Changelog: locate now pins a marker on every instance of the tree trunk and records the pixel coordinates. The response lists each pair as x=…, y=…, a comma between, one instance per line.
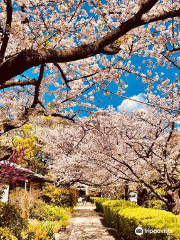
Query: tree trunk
x=173, y=204
x=126, y=190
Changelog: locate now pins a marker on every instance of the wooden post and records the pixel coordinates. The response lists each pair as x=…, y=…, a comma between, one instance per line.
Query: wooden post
x=24, y=208
x=25, y=185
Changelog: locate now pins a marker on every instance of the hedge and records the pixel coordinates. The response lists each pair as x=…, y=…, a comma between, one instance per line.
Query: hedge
x=126, y=217
x=98, y=202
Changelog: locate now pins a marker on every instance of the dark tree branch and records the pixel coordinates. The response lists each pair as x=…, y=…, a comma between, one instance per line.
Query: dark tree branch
x=85, y=90
x=62, y=116
x=12, y=83
x=85, y=76
x=173, y=63
x=175, y=49
x=37, y=88
x=164, y=16
x=12, y=124
x=30, y=58
x=5, y=152
x=110, y=51
x=7, y=30
x=63, y=75
x=75, y=10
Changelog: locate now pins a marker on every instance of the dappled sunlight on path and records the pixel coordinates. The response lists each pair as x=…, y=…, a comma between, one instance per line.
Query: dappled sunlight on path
x=85, y=225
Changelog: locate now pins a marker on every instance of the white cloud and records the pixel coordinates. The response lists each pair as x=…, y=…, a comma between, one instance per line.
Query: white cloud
x=129, y=105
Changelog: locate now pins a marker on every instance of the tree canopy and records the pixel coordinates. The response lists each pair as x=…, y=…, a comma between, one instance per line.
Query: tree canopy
x=66, y=49
x=57, y=56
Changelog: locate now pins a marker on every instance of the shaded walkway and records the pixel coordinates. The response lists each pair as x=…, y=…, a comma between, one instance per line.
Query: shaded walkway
x=87, y=224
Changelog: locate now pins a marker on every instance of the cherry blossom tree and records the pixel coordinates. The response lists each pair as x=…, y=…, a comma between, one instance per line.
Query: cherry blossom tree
x=55, y=55
x=138, y=147
x=71, y=49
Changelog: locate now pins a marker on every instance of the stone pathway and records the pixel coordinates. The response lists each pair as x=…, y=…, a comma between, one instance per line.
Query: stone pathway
x=87, y=224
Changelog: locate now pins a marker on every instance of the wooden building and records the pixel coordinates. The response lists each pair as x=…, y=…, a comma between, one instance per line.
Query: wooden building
x=29, y=181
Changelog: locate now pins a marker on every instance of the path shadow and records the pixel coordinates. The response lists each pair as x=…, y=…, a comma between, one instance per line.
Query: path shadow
x=111, y=231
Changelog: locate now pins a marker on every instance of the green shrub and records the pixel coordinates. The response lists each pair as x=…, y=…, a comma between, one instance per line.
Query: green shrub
x=5, y=234
x=60, y=196
x=127, y=216
x=35, y=231
x=98, y=202
x=11, y=218
x=46, y=212
x=130, y=219
x=121, y=196
x=41, y=230
x=156, y=204
x=112, y=208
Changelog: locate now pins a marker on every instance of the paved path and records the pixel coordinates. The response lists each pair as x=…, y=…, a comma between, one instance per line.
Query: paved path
x=86, y=224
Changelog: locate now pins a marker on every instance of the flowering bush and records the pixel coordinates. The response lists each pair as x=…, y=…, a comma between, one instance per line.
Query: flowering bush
x=5, y=234
x=41, y=230
x=11, y=218
x=112, y=207
x=9, y=170
x=98, y=202
x=35, y=231
x=60, y=196
x=45, y=212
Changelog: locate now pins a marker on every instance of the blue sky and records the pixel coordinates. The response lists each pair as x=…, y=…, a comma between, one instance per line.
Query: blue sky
x=136, y=88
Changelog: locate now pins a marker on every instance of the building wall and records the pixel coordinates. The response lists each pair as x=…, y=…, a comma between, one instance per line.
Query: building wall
x=5, y=195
